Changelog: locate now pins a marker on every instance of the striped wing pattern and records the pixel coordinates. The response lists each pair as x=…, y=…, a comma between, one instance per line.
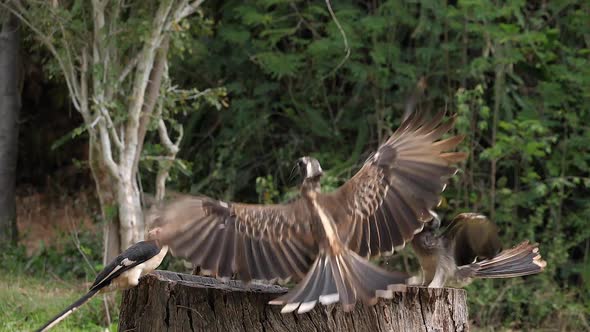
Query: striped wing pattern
x=262, y=242
x=521, y=260
x=392, y=195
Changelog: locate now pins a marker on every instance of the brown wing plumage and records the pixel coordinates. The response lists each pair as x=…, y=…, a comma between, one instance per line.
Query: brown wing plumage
x=521, y=260
x=391, y=196
x=473, y=236
x=248, y=241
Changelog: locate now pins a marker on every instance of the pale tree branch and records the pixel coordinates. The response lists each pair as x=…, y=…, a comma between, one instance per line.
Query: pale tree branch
x=128, y=68
x=166, y=161
x=69, y=58
x=191, y=95
x=94, y=122
x=183, y=10
x=111, y=128
x=84, y=109
x=143, y=71
x=172, y=148
x=111, y=48
x=69, y=76
x=105, y=144
x=152, y=95
x=158, y=158
x=97, y=44
x=344, y=38
x=188, y=10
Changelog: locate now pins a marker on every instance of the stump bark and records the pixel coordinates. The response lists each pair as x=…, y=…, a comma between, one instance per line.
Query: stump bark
x=169, y=301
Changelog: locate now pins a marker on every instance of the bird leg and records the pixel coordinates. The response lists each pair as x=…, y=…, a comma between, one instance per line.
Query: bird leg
x=439, y=277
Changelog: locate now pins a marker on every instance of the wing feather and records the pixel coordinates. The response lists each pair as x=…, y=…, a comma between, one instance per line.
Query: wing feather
x=385, y=232
x=391, y=196
x=244, y=240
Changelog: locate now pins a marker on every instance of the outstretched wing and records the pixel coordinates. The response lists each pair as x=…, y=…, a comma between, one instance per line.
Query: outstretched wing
x=474, y=236
x=392, y=195
x=248, y=241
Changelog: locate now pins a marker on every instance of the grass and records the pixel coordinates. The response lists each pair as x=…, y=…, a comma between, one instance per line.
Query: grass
x=27, y=302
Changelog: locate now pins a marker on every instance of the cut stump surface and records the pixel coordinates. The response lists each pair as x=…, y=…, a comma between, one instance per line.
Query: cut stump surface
x=169, y=301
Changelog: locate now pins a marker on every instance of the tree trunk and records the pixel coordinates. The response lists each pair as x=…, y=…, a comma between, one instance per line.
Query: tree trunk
x=9, y=108
x=168, y=301
x=130, y=214
x=105, y=191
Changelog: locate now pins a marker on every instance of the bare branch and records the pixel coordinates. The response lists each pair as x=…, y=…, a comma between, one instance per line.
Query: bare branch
x=159, y=70
x=97, y=46
x=84, y=109
x=128, y=68
x=188, y=10
x=146, y=60
x=346, y=47
x=173, y=149
x=112, y=52
x=69, y=59
x=140, y=85
x=93, y=123
x=105, y=144
x=188, y=94
x=158, y=158
x=68, y=74
x=179, y=138
x=111, y=127
x=76, y=239
x=165, y=139
x=122, y=133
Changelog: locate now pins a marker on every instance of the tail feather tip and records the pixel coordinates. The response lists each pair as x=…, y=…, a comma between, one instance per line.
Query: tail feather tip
x=290, y=307
x=329, y=298
x=306, y=306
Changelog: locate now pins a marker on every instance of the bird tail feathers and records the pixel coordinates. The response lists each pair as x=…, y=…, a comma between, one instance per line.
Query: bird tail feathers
x=521, y=260
x=341, y=277
x=67, y=311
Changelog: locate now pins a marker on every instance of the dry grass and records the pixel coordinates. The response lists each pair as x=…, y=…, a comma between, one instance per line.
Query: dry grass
x=43, y=216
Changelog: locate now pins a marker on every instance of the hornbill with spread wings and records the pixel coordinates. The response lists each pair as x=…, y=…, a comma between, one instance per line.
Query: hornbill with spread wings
x=323, y=240
x=469, y=247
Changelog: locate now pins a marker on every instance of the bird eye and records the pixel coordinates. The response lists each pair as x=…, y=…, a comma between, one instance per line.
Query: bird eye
x=300, y=163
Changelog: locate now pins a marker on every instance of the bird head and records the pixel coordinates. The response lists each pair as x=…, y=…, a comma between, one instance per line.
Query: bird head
x=309, y=167
x=434, y=223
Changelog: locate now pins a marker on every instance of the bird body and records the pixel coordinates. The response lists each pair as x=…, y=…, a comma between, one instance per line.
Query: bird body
x=337, y=273
x=121, y=273
x=323, y=240
x=470, y=248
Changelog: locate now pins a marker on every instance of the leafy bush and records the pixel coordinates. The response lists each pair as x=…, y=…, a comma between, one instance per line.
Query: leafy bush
x=516, y=73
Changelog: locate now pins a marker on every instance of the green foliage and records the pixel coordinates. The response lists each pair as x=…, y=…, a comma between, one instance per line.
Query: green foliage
x=78, y=256
x=517, y=74
x=266, y=189
x=35, y=287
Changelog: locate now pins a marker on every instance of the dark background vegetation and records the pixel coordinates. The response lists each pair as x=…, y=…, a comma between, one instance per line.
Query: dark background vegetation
x=517, y=74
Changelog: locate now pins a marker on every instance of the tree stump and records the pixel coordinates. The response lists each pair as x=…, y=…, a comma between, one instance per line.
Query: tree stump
x=169, y=301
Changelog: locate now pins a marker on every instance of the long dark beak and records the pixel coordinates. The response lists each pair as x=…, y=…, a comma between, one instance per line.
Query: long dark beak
x=435, y=222
x=292, y=173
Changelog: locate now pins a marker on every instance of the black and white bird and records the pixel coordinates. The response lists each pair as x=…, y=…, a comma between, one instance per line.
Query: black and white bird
x=469, y=247
x=323, y=240
x=122, y=273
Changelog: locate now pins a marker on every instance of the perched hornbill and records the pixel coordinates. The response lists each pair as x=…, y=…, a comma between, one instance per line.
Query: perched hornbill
x=323, y=240
x=122, y=273
x=469, y=247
